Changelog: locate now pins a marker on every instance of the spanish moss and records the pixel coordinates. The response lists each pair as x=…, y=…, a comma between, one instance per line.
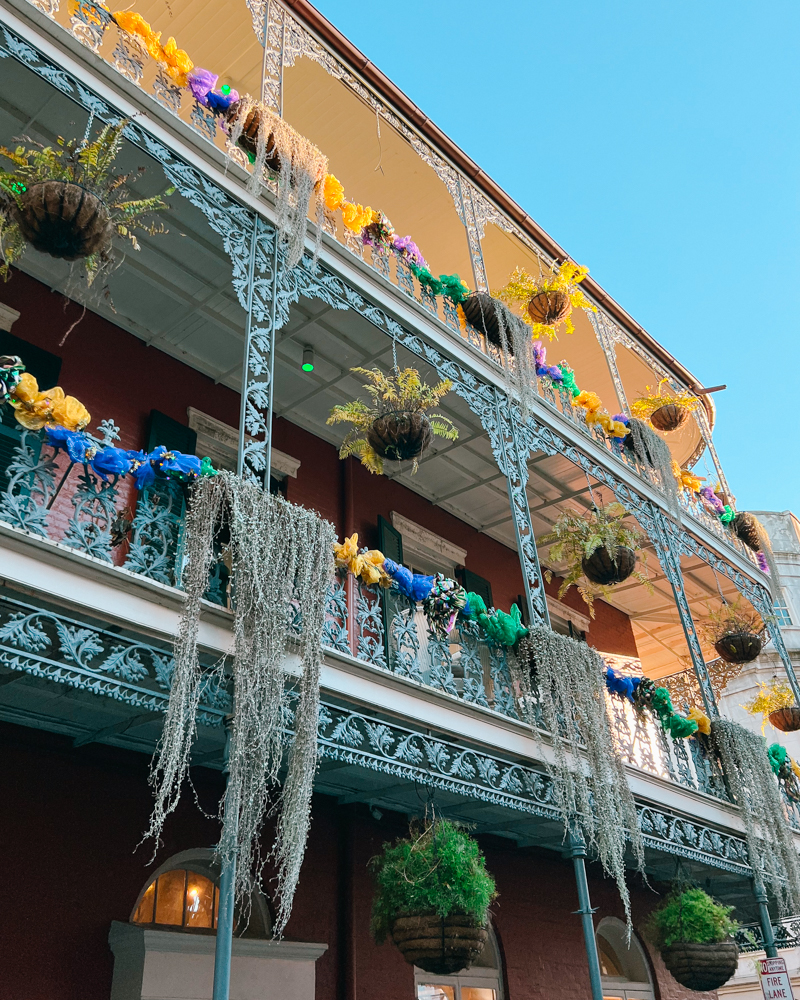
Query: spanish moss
x=281, y=566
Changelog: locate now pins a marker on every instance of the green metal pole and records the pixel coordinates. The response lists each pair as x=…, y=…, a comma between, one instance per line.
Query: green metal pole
x=770, y=947
x=577, y=851
x=225, y=919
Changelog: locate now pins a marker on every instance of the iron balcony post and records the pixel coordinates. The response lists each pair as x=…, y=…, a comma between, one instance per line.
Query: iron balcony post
x=577, y=851
x=225, y=920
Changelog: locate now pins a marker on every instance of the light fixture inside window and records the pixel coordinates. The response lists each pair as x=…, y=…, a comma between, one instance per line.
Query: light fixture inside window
x=308, y=359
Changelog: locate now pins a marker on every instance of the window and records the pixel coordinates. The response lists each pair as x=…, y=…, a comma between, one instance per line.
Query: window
x=179, y=898
x=483, y=981
x=781, y=609
x=183, y=894
x=623, y=966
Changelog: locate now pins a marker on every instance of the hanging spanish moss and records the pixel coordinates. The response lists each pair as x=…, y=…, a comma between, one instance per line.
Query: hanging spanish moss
x=651, y=449
x=562, y=686
x=299, y=165
x=281, y=562
x=770, y=842
x=516, y=350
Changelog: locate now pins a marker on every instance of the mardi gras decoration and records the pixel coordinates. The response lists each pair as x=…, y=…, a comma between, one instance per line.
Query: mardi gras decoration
x=548, y=300
x=666, y=411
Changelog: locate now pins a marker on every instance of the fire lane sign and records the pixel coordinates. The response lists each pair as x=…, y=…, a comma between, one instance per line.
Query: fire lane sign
x=775, y=982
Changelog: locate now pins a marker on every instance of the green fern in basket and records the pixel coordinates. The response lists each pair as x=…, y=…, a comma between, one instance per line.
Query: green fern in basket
x=576, y=536
x=401, y=390
x=88, y=164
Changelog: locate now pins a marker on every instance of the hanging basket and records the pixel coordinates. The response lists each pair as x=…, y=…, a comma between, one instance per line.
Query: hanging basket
x=400, y=435
x=440, y=945
x=669, y=417
x=786, y=719
x=746, y=528
x=701, y=966
x=481, y=311
x=63, y=219
x=739, y=647
x=549, y=308
x=248, y=140
x=601, y=568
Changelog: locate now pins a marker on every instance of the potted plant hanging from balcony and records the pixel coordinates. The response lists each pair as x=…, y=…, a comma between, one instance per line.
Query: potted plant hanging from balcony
x=547, y=301
x=735, y=631
x=598, y=545
x=775, y=702
x=67, y=202
x=432, y=898
x=694, y=935
x=395, y=425
x=666, y=411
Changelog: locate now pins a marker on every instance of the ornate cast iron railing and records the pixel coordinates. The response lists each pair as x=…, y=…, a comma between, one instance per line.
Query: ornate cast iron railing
x=50, y=497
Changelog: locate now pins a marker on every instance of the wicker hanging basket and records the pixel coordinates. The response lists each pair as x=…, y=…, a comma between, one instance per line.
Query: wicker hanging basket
x=400, y=435
x=549, y=308
x=481, y=311
x=63, y=219
x=440, y=945
x=248, y=140
x=600, y=568
x=746, y=527
x=701, y=966
x=786, y=719
x=669, y=417
x=739, y=647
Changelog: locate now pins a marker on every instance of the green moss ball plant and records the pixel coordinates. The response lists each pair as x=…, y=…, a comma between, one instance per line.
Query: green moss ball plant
x=432, y=897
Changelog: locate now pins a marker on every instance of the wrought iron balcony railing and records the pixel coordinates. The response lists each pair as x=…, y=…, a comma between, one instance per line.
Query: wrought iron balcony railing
x=47, y=495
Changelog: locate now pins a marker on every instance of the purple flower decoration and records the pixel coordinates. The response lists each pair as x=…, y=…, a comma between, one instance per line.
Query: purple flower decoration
x=621, y=418
x=712, y=500
x=407, y=248
x=761, y=559
x=555, y=374
x=540, y=356
x=201, y=83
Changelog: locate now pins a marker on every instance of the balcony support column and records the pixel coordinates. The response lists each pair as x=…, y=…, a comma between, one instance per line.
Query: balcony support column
x=767, y=933
x=223, y=949
x=474, y=230
x=669, y=556
x=577, y=851
x=512, y=457
x=764, y=608
x=605, y=338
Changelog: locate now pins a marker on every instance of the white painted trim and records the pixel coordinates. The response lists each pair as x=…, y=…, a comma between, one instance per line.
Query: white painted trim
x=220, y=441
x=125, y=937
x=559, y=610
x=8, y=317
x=420, y=541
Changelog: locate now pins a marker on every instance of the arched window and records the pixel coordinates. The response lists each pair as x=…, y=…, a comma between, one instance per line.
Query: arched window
x=184, y=893
x=483, y=981
x=624, y=968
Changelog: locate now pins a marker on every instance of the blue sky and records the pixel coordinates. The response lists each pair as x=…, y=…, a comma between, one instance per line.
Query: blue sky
x=658, y=143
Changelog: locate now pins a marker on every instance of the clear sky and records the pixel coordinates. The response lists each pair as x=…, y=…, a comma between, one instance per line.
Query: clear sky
x=658, y=142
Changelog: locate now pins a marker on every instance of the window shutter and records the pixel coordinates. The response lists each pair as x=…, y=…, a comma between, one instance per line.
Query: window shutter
x=477, y=585
x=390, y=541
x=174, y=435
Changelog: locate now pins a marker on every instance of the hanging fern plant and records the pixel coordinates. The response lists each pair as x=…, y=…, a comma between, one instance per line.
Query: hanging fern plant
x=547, y=301
x=396, y=424
x=67, y=202
x=598, y=546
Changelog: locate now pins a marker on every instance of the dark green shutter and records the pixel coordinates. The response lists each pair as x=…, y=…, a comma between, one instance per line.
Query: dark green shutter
x=174, y=435
x=477, y=585
x=390, y=543
x=46, y=369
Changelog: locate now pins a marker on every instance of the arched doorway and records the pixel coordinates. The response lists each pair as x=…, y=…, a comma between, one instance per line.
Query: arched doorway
x=624, y=967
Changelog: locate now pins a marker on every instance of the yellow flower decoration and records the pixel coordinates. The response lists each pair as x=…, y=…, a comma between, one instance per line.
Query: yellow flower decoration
x=135, y=24
x=33, y=408
x=355, y=217
x=367, y=565
x=70, y=413
x=795, y=768
x=587, y=400
x=346, y=553
x=176, y=61
x=333, y=192
x=702, y=720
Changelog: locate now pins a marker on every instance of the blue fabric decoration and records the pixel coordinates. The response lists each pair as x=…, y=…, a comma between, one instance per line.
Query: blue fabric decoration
x=176, y=465
x=73, y=442
x=143, y=473
x=110, y=462
x=413, y=585
x=625, y=687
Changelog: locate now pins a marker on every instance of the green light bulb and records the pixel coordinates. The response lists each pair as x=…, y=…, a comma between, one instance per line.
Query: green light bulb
x=308, y=367
x=225, y=88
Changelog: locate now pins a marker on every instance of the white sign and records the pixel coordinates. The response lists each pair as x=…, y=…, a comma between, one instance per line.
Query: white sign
x=775, y=982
